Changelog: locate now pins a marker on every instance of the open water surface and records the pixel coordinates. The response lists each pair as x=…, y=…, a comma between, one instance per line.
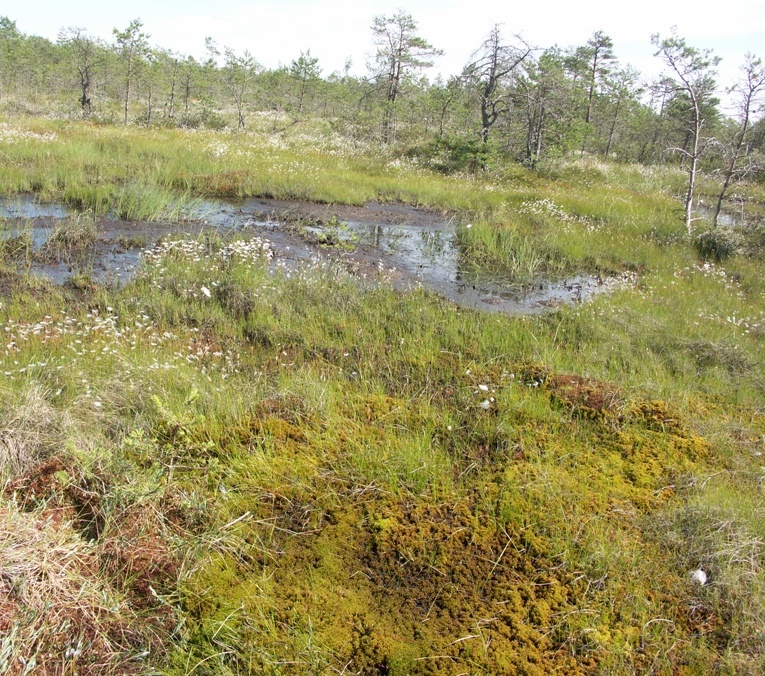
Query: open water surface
x=411, y=247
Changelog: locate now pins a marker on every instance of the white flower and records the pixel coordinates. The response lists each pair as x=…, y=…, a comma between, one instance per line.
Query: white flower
x=206, y=291
x=699, y=577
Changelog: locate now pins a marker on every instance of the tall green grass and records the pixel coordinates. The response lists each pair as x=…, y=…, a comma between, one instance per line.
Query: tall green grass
x=295, y=473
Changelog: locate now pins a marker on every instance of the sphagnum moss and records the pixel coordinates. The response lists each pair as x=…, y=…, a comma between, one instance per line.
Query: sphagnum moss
x=293, y=474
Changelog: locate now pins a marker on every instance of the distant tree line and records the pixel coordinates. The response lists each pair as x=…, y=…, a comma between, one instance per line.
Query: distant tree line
x=512, y=98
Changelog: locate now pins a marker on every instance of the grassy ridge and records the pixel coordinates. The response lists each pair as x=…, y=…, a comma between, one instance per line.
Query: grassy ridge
x=260, y=473
x=586, y=215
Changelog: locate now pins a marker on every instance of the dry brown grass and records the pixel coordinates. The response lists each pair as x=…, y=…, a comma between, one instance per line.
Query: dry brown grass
x=30, y=429
x=57, y=614
x=83, y=581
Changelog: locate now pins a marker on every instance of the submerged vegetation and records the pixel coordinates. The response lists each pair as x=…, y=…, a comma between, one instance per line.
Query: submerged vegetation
x=227, y=466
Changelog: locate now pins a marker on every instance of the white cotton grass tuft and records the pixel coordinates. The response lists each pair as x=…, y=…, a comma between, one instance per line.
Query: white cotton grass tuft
x=485, y=404
x=206, y=291
x=698, y=576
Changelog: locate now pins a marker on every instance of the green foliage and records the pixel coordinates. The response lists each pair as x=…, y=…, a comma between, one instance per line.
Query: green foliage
x=452, y=154
x=716, y=245
x=260, y=471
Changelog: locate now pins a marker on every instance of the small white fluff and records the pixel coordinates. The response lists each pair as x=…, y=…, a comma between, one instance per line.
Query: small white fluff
x=206, y=291
x=485, y=404
x=699, y=576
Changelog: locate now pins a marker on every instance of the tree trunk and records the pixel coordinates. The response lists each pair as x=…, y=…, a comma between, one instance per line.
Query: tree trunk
x=693, y=168
x=613, y=126
x=171, y=107
x=186, y=95
x=85, y=102
x=734, y=159
x=128, y=82
x=148, y=107
x=485, y=120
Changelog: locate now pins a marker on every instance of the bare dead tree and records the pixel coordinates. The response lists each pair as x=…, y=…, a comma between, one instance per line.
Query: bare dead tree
x=492, y=66
x=751, y=86
x=88, y=54
x=692, y=73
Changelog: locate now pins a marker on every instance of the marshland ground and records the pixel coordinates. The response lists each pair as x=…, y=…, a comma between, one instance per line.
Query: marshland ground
x=221, y=465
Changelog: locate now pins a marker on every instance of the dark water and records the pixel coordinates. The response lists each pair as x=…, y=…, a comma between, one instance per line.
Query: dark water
x=26, y=207
x=409, y=247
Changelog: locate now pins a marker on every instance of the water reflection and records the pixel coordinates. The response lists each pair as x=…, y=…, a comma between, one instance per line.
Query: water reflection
x=422, y=253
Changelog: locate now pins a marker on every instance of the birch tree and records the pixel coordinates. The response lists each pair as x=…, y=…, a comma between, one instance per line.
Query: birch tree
x=692, y=73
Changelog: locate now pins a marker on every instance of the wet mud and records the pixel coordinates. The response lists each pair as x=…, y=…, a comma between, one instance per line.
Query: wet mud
x=411, y=247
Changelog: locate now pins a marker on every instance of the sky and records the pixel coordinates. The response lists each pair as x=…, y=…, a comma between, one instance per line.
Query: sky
x=275, y=32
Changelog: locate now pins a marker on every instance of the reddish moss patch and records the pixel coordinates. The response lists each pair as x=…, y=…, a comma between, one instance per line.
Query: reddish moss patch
x=58, y=614
x=58, y=483
x=137, y=553
x=287, y=407
x=127, y=553
x=138, y=557
x=38, y=484
x=585, y=398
